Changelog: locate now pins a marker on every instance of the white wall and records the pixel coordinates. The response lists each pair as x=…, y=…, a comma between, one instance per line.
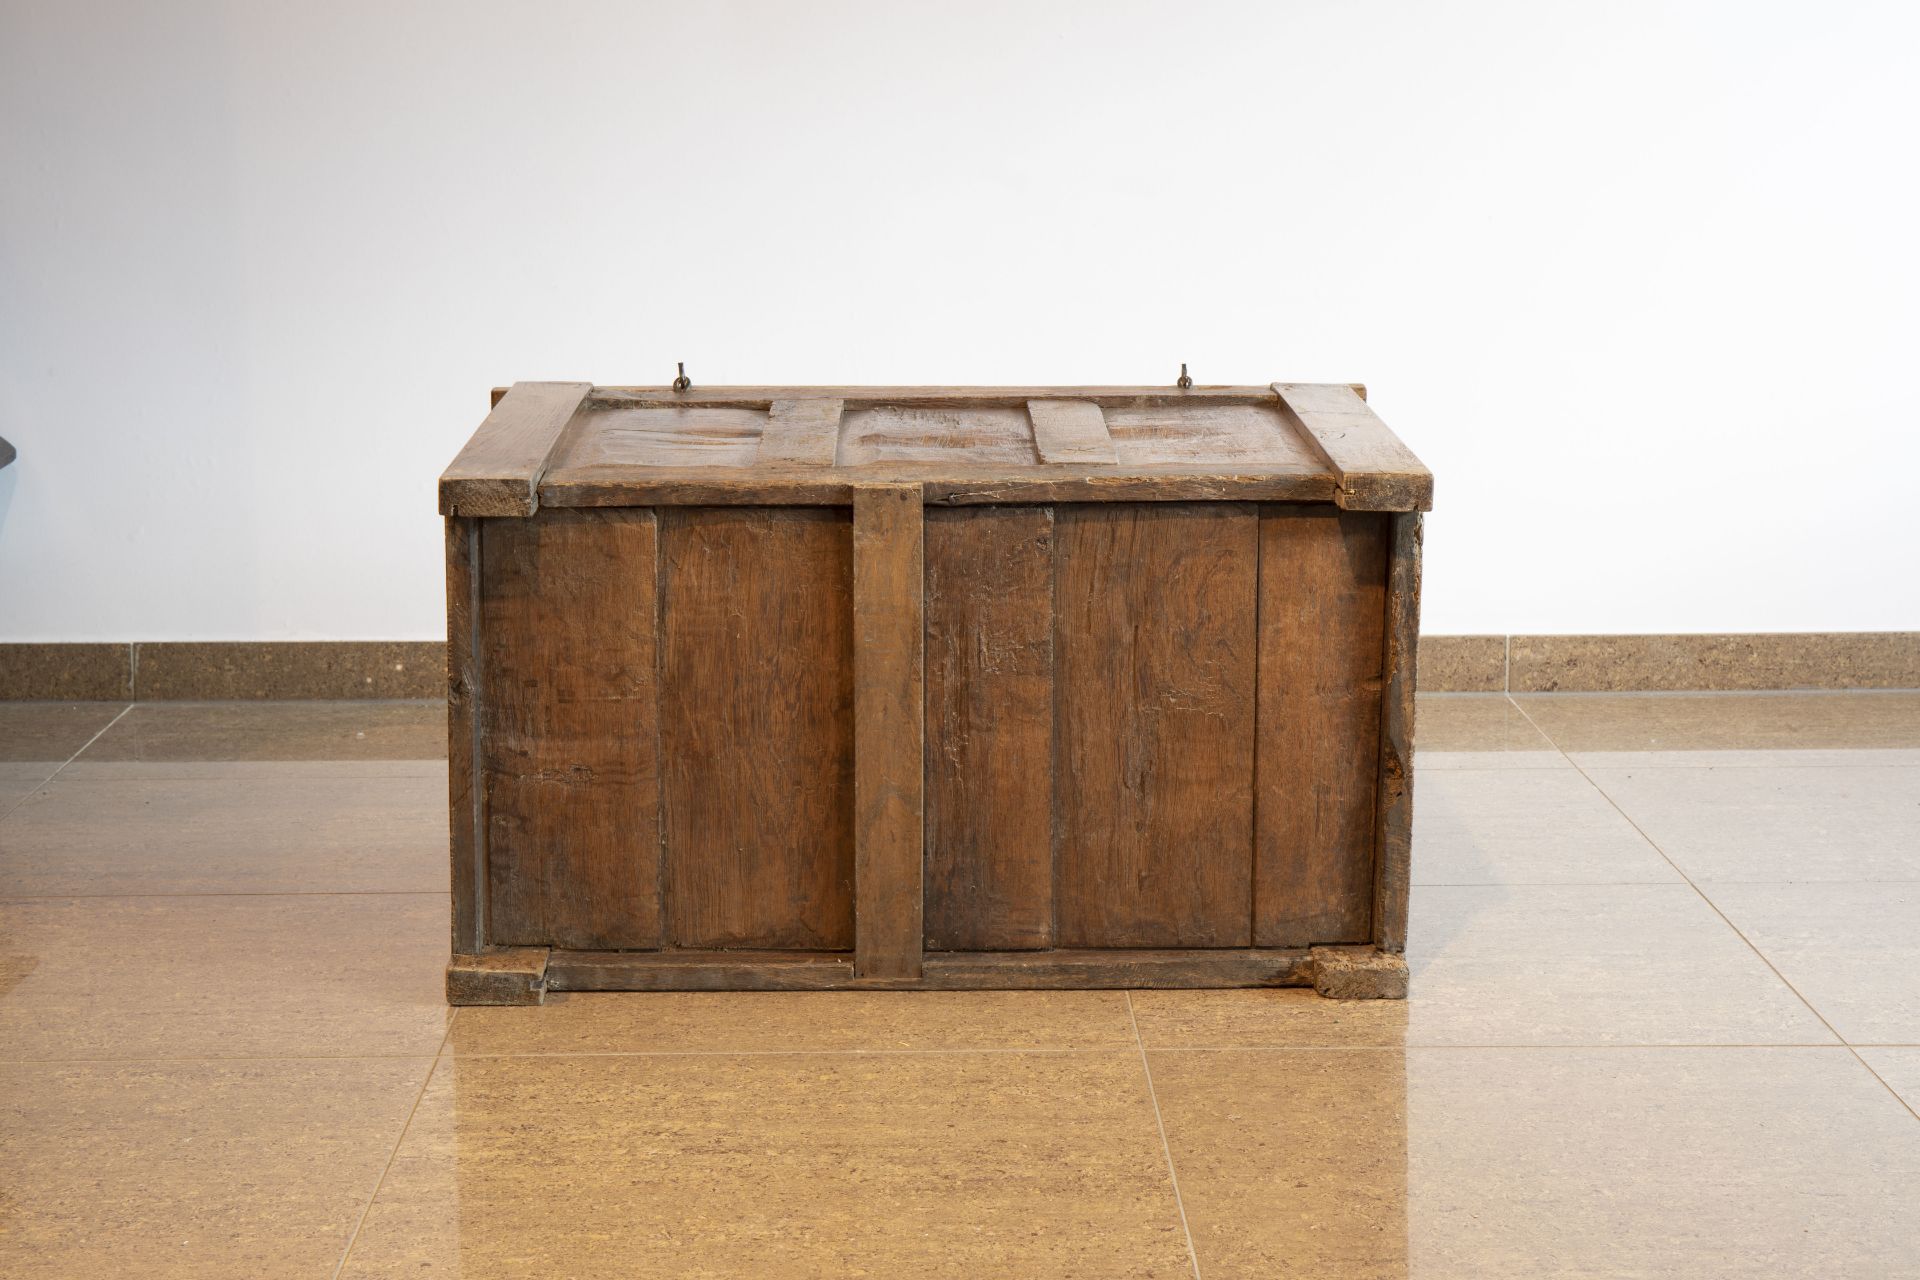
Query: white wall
x=1639, y=281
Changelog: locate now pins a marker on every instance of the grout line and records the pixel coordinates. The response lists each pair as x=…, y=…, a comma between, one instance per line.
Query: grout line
x=354, y=1236
x=1727, y=920
x=42, y=785
x=1173, y=1176
x=1436, y=1047
x=1506, y=664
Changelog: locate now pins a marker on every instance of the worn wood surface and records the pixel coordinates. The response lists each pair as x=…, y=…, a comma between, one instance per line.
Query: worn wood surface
x=889, y=742
x=1376, y=472
x=1068, y=431
x=1155, y=693
x=948, y=396
x=1323, y=577
x=989, y=750
x=757, y=726
x=569, y=723
x=1393, y=870
x=936, y=439
x=801, y=433
x=466, y=843
x=948, y=971
x=506, y=976
x=498, y=473
x=981, y=485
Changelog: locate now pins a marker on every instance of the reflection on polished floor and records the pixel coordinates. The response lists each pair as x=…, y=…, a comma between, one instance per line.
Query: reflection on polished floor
x=1665, y=1022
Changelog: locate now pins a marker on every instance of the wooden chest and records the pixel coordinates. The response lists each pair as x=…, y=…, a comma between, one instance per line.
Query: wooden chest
x=784, y=688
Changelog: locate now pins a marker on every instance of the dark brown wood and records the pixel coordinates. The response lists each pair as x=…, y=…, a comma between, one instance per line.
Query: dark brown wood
x=569, y=730
x=982, y=486
x=1068, y=431
x=989, y=603
x=1393, y=869
x=938, y=687
x=1375, y=471
x=801, y=433
x=467, y=842
x=889, y=744
x=1155, y=690
x=498, y=473
x=948, y=971
x=757, y=726
x=1323, y=578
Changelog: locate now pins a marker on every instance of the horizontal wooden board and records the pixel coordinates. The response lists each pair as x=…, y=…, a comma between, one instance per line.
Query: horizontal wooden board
x=498, y=472
x=968, y=971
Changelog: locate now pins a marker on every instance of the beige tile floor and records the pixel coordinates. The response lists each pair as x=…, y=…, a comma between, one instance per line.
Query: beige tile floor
x=1665, y=1022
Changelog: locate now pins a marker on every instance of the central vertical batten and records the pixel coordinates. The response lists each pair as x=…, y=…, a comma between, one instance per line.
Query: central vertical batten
x=889, y=729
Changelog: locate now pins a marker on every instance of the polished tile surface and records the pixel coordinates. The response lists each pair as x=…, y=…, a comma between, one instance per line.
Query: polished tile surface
x=223, y=927
x=1526, y=826
x=1760, y=1162
x=192, y=1169
x=786, y=1021
x=1858, y=823
x=228, y=976
x=163, y=731
x=960, y=1165
x=1478, y=731
x=1852, y=950
x=81, y=834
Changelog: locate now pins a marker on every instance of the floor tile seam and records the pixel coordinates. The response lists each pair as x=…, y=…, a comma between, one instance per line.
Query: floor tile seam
x=1701, y=893
x=42, y=785
x=1611, y=884
x=1710, y=768
x=226, y=893
x=974, y=1051
x=1166, y=1147
x=159, y=1059
x=313, y=893
x=1852, y=692
x=1516, y=1046
x=426, y=1080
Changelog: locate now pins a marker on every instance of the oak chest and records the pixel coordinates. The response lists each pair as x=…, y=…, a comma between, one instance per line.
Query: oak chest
x=799, y=688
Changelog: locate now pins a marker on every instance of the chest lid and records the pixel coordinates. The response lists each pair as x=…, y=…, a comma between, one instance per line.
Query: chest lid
x=572, y=444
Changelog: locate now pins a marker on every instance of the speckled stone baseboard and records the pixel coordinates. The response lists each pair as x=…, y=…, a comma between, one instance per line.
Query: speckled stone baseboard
x=1775, y=660
x=217, y=670
x=223, y=670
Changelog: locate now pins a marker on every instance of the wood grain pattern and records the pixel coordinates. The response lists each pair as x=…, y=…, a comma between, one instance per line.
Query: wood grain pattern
x=757, y=726
x=1393, y=870
x=1155, y=650
x=1323, y=581
x=676, y=436
x=947, y=396
x=889, y=742
x=1223, y=437
x=498, y=473
x=569, y=729
x=973, y=485
x=1375, y=470
x=1068, y=431
x=467, y=839
x=942, y=438
x=989, y=718
x=950, y=971
x=801, y=433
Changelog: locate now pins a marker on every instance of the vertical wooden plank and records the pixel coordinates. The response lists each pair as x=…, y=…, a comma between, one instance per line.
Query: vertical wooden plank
x=989, y=728
x=889, y=740
x=1393, y=869
x=467, y=843
x=1323, y=582
x=1154, y=778
x=757, y=726
x=801, y=433
x=571, y=702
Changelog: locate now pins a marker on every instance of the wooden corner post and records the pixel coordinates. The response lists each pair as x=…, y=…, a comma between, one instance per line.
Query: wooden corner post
x=1393, y=845
x=889, y=729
